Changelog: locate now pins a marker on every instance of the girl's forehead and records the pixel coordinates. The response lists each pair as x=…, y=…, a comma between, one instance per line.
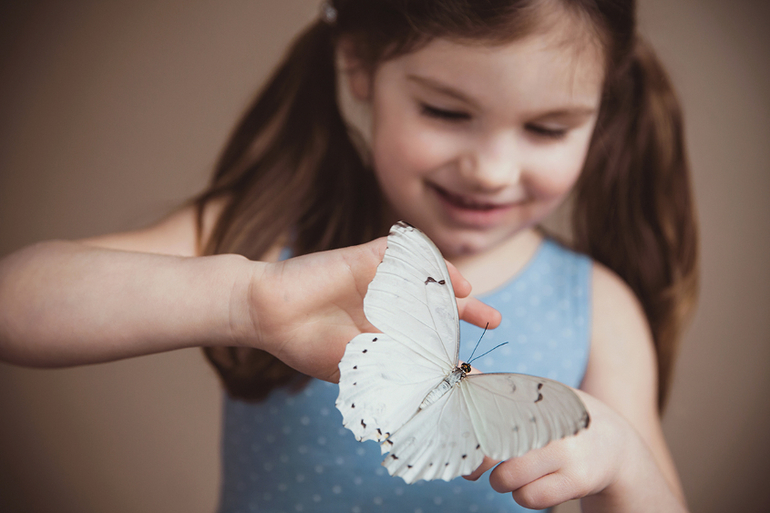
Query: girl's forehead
x=539, y=68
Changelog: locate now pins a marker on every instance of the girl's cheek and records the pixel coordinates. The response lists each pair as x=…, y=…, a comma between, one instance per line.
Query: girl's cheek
x=556, y=183
x=419, y=149
x=553, y=174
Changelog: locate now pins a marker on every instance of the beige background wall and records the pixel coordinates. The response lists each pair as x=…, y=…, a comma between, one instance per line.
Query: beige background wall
x=111, y=113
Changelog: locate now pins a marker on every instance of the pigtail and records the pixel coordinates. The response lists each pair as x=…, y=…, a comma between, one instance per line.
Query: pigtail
x=290, y=167
x=634, y=210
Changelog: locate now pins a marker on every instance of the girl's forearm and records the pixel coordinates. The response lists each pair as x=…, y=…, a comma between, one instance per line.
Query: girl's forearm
x=65, y=303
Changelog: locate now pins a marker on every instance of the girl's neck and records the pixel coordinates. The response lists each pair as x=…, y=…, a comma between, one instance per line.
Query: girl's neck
x=490, y=269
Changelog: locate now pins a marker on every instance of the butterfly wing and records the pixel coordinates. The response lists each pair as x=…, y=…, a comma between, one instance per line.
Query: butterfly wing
x=437, y=443
x=383, y=380
x=514, y=413
x=385, y=376
x=411, y=297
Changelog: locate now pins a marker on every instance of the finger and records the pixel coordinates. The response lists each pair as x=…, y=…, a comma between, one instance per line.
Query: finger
x=487, y=464
x=459, y=283
x=546, y=492
x=515, y=473
x=367, y=257
x=475, y=312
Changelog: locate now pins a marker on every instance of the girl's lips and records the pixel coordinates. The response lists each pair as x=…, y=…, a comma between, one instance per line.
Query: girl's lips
x=466, y=201
x=472, y=211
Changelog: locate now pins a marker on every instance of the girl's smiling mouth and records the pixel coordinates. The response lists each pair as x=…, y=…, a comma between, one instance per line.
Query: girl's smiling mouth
x=472, y=211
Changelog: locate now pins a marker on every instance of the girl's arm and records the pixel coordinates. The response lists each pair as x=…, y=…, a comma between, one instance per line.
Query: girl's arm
x=622, y=374
x=71, y=303
x=67, y=303
x=621, y=462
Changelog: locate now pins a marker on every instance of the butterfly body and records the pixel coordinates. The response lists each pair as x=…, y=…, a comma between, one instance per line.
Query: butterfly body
x=442, y=388
x=406, y=388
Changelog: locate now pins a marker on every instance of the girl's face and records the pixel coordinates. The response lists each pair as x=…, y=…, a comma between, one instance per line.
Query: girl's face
x=474, y=143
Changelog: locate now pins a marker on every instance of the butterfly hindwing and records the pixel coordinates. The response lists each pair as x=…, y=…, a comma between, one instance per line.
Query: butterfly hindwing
x=437, y=443
x=382, y=383
x=514, y=413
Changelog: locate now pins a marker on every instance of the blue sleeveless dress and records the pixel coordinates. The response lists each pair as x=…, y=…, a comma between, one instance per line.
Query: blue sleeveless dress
x=290, y=453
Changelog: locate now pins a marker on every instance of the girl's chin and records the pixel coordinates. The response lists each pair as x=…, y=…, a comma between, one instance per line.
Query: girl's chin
x=454, y=242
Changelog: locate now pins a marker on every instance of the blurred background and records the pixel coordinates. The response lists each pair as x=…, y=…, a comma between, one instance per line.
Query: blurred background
x=112, y=113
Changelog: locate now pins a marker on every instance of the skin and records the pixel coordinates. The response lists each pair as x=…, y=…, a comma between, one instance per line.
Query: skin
x=471, y=143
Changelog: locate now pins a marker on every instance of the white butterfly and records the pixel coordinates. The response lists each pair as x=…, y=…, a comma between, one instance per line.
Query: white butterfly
x=405, y=388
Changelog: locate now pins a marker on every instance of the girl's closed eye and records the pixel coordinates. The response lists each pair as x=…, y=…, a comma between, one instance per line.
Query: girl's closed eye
x=444, y=114
x=546, y=132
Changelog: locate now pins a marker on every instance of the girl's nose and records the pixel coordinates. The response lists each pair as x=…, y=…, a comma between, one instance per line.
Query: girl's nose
x=492, y=165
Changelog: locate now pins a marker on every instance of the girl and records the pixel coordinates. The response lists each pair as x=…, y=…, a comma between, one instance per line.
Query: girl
x=474, y=121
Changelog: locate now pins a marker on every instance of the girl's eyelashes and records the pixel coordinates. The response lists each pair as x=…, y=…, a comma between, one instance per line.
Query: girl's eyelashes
x=445, y=114
x=545, y=132
x=540, y=131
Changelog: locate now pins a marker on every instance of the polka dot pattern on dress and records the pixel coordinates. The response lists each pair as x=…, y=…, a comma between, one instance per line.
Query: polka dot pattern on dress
x=290, y=453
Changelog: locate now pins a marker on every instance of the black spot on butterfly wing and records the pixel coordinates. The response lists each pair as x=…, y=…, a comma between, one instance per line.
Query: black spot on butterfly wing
x=430, y=279
x=465, y=456
x=374, y=339
x=365, y=350
x=539, y=398
x=363, y=424
x=394, y=456
x=585, y=420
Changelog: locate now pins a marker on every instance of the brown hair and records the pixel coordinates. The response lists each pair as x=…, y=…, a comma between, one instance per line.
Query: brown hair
x=291, y=165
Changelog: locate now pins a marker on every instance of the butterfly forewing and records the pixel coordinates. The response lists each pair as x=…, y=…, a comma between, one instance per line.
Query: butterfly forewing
x=411, y=297
x=514, y=413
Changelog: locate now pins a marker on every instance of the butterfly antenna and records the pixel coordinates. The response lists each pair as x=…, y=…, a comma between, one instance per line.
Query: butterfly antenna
x=479, y=356
x=477, y=343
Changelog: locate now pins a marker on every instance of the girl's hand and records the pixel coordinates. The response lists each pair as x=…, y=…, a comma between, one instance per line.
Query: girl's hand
x=304, y=310
x=607, y=465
